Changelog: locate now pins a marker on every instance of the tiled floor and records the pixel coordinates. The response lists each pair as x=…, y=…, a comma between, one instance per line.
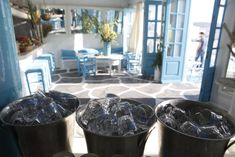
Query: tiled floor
x=125, y=86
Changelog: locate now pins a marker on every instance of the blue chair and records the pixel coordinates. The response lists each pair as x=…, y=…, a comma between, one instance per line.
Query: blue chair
x=35, y=78
x=47, y=58
x=44, y=63
x=79, y=62
x=38, y=76
x=89, y=67
x=51, y=56
x=67, y=55
x=134, y=63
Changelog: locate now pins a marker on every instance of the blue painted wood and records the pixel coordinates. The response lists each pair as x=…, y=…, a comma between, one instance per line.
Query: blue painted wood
x=172, y=68
x=10, y=81
x=148, y=58
x=107, y=48
x=209, y=67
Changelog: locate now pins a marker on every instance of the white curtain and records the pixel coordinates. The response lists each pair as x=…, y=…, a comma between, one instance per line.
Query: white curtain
x=136, y=37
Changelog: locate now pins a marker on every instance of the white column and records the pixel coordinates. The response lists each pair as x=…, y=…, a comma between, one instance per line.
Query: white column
x=68, y=20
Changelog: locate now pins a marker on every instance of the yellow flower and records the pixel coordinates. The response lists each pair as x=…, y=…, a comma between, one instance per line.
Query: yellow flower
x=106, y=32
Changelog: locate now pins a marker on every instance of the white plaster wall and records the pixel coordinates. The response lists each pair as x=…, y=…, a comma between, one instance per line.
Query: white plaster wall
x=221, y=97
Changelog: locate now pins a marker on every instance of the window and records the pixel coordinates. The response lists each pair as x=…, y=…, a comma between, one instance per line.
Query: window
x=53, y=20
x=87, y=20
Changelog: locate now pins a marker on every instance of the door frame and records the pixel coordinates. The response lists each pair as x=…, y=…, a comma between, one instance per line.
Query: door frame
x=209, y=68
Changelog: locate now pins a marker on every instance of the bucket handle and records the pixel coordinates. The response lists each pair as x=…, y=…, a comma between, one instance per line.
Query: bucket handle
x=2, y=126
x=145, y=139
x=230, y=144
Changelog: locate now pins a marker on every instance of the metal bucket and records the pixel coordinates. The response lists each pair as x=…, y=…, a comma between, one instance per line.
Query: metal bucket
x=177, y=144
x=42, y=140
x=108, y=146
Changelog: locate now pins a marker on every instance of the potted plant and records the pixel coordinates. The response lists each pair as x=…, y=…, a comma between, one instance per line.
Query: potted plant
x=25, y=44
x=157, y=63
x=89, y=22
x=46, y=16
x=107, y=36
x=46, y=28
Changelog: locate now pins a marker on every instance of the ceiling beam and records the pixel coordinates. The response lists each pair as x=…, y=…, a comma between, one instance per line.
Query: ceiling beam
x=84, y=3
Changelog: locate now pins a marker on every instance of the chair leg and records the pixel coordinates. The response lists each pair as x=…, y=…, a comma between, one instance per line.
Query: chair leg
x=62, y=64
x=27, y=80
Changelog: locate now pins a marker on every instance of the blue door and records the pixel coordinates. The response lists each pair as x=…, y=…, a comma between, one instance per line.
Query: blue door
x=176, y=26
x=212, y=49
x=153, y=25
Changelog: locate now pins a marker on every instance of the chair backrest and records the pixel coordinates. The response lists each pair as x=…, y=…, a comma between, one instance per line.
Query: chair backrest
x=133, y=56
x=68, y=54
x=89, y=66
x=89, y=61
x=52, y=59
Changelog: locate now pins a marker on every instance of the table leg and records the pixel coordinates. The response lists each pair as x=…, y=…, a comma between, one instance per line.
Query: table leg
x=119, y=66
x=110, y=68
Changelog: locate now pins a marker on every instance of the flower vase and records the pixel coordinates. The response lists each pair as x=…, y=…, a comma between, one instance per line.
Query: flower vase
x=107, y=48
x=157, y=74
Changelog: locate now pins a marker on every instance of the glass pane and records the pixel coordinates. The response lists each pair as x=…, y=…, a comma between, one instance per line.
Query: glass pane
x=222, y=2
x=163, y=10
x=152, y=12
x=220, y=16
x=217, y=33
x=216, y=39
x=177, y=50
x=157, y=43
x=159, y=12
x=170, y=51
x=213, y=57
x=180, y=21
x=179, y=36
x=57, y=24
x=159, y=25
x=173, y=6
x=173, y=21
x=171, y=35
x=215, y=43
x=151, y=28
x=86, y=20
x=150, y=46
x=181, y=8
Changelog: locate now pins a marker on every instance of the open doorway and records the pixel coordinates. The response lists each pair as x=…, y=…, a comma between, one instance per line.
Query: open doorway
x=199, y=22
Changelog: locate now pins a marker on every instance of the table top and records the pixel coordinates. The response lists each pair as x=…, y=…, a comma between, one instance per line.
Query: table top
x=112, y=56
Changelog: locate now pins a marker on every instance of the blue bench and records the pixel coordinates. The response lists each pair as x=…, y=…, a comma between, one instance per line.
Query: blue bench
x=115, y=50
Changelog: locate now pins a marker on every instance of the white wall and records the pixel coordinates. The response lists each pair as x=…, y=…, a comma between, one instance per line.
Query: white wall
x=221, y=97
